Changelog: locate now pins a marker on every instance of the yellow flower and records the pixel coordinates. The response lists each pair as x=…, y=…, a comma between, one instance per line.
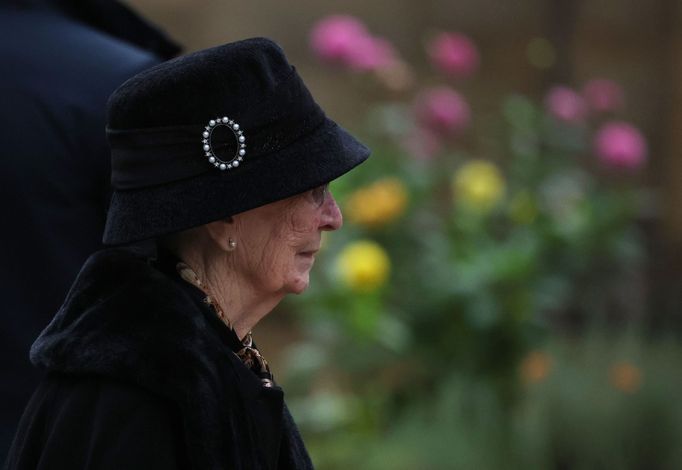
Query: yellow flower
x=478, y=184
x=535, y=367
x=378, y=203
x=363, y=266
x=625, y=377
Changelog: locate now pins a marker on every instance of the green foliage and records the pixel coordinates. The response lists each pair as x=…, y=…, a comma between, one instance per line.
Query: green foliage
x=423, y=371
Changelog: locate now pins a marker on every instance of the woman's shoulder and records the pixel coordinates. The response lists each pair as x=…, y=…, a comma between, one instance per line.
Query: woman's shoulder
x=92, y=421
x=65, y=398
x=124, y=318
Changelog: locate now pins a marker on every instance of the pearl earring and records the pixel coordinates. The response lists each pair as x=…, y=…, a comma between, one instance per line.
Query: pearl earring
x=231, y=244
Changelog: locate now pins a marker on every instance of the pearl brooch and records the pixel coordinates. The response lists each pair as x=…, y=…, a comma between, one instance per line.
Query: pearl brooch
x=208, y=145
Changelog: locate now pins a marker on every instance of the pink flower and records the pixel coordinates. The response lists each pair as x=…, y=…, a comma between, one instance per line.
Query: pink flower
x=603, y=95
x=443, y=111
x=344, y=40
x=371, y=53
x=335, y=37
x=454, y=54
x=565, y=105
x=620, y=145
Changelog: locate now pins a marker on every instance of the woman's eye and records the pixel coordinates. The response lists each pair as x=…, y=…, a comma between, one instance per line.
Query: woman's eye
x=319, y=194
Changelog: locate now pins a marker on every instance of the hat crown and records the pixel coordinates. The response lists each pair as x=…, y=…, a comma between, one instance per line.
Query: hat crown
x=231, y=78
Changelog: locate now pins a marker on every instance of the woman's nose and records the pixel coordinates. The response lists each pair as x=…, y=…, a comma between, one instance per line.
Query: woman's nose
x=331, y=218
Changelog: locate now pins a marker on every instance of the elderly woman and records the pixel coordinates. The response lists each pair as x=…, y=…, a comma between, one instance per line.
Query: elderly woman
x=221, y=159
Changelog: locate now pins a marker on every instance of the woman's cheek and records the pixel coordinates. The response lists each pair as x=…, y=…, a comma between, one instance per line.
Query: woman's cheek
x=301, y=221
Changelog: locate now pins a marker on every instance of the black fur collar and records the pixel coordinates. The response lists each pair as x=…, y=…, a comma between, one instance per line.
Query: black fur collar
x=126, y=319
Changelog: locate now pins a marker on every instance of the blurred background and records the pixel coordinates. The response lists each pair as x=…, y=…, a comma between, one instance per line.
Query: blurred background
x=506, y=290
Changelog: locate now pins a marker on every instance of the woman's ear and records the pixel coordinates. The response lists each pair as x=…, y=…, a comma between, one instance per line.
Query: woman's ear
x=221, y=232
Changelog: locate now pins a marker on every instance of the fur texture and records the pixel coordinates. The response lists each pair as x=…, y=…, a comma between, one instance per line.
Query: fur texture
x=127, y=320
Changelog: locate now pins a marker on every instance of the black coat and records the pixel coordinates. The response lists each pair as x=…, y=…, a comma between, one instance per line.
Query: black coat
x=57, y=72
x=142, y=374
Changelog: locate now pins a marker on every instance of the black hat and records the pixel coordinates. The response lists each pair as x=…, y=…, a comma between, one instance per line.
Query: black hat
x=215, y=133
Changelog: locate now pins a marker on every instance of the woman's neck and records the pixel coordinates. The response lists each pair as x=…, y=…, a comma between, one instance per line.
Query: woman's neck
x=242, y=304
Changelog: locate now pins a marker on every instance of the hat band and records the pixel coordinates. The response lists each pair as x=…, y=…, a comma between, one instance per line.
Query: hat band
x=153, y=156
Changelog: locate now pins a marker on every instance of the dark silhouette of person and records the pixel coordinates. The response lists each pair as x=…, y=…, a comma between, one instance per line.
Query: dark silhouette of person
x=60, y=62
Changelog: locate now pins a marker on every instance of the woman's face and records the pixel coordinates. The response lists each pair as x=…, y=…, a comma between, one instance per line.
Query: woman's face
x=277, y=243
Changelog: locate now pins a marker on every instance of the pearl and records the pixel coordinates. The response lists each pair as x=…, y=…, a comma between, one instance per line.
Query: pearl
x=235, y=127
x=241, y=138
x=211, y=123
x=242, y=152
x=235, y=164
x=205, y=134
x=222, y=166
x=225, y=120
x=206, y=148
x=211, y=159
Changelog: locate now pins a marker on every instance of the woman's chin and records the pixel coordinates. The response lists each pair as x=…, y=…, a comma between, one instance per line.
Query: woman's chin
x=300, y=282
